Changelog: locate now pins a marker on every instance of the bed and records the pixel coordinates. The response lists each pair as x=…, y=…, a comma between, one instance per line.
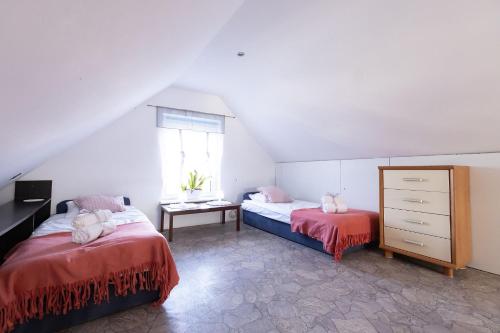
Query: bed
x=114, y=291
x=305, y=218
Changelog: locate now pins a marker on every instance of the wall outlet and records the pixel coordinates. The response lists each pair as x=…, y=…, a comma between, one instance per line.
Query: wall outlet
x=232, y=215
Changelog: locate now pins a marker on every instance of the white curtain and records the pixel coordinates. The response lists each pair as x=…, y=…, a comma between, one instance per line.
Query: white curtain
x=184, y=151
x=189, y=120
x=189, y=140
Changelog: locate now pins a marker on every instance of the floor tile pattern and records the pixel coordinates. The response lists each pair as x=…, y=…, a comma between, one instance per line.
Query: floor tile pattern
x=253, y=281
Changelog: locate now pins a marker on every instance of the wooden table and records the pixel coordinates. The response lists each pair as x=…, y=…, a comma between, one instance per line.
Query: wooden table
x=200, y=208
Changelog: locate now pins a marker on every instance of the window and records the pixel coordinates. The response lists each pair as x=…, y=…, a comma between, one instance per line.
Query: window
x=189, y=141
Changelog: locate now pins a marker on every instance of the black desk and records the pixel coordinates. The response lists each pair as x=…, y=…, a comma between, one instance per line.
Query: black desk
x=18, y=219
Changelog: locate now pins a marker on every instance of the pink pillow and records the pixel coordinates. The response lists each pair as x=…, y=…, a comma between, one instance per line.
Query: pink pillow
x=274, y=194
x=95, y=202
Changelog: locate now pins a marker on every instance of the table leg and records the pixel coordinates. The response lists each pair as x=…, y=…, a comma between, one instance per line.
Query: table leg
x=238, y=219
x=162, y=214
x=170, y=227
x=223, y=216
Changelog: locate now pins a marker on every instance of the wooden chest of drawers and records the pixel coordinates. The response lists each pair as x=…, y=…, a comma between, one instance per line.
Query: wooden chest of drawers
x=425, y=214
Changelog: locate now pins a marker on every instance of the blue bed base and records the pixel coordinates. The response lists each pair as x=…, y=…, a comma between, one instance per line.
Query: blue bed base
x=52, y=323
x=279, y=229
x=284, y=230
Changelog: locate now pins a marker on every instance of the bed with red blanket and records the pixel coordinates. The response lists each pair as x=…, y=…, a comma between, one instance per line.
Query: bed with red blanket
x=304, y=223
x=49, y=276
x=337, y=231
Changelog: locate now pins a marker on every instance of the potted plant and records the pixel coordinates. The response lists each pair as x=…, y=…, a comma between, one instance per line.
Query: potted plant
x=194, y=185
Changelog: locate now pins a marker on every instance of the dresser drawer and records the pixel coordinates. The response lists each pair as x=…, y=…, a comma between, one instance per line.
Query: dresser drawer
x=421, y=180
x=424, y=223
x=420, y=201
x=429, y=246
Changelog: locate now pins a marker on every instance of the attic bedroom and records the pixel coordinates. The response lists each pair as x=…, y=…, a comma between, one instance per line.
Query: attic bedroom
x=249, y=166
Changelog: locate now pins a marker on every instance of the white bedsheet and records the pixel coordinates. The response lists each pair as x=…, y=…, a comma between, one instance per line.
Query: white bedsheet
x=277, y=211
x=59, y=223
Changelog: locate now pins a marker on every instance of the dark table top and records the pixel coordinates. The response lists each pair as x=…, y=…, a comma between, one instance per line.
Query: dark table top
x=15, y=212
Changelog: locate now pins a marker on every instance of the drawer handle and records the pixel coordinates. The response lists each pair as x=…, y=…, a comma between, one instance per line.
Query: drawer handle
x=420, y=201
x=414, y=179
x=414, y=221
x=413, y=242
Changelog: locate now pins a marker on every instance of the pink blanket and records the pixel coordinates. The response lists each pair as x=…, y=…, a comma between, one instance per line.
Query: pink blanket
x=337, y=232
x=52, y=275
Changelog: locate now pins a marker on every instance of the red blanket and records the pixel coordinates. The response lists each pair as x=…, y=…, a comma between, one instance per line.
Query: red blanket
x=337, y=231
x=52, y=275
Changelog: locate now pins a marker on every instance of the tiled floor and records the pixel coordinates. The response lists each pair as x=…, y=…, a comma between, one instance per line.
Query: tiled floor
x=252, y=281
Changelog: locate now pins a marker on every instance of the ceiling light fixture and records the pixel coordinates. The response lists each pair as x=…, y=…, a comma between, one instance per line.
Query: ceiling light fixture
x=240, y=54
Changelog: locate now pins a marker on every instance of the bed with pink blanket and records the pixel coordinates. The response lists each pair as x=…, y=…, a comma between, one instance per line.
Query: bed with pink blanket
x=337, y=232
x=48, y=282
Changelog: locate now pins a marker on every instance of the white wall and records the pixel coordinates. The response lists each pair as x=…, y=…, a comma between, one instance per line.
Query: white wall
x=309, y=180
x=356, y=180
x=359, y=186
x=6, y=193
x=124, y=158
x=359, y=179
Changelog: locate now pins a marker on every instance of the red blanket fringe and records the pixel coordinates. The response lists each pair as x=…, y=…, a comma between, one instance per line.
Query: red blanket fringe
x=63, y=298
x=350, y=241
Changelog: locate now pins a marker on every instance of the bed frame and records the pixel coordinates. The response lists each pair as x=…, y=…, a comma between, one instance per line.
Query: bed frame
x=52, y=323
x=283, y=230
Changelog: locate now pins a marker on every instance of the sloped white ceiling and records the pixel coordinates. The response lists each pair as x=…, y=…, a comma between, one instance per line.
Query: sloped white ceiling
x=348, y=79
x=68, y=68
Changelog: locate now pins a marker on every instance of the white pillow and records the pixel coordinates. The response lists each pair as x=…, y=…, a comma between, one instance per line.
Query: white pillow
x=257, y=197
x=120, y=200
x=72, y=209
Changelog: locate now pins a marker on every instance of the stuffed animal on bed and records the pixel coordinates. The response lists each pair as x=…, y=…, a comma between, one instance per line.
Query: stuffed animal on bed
x=90, y=226
x=333, y=203
x=328, y=203
x=340, y=204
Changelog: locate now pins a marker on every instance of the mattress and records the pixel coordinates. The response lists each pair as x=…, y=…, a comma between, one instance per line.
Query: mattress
x=277, y=211
x=60, y=223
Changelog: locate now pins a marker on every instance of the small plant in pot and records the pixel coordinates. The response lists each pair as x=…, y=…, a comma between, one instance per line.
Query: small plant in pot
x=194, y=185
